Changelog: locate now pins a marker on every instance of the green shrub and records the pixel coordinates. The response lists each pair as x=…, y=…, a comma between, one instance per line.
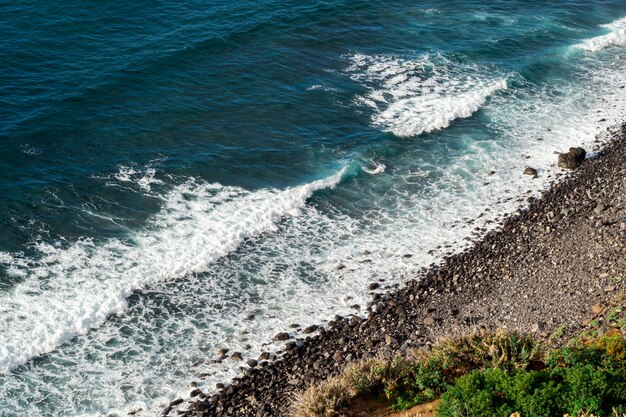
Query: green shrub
x=425, y=381
x=543, y=393
x=486, y=374
x=604, y=352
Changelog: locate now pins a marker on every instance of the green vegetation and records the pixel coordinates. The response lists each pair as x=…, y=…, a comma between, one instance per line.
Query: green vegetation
x=543, y=393
x=488, y=374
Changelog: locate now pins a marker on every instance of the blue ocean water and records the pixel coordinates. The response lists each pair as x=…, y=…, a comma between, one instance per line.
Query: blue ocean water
x=166, y=170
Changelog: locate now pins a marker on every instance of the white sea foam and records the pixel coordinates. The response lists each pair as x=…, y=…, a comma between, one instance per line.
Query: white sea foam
x=144, y=178
x=374, y=168
x=70, y=290
x=5, y=258
x=615, y=37
x=412, y=97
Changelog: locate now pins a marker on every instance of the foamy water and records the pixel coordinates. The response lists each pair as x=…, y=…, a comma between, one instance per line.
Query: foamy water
x=616, y=36
x=411, y=97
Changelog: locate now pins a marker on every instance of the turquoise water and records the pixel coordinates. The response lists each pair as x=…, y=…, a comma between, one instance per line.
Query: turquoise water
x=168, y=169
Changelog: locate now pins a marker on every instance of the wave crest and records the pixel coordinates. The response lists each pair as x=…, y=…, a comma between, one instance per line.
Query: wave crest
x=615, y=37
x=412, y=97
x=70, y=290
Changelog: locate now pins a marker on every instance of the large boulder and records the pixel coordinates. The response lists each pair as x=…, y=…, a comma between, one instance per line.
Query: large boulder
x=572, y=159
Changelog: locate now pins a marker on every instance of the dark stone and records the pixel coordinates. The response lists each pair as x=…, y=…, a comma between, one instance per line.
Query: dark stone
x=310, y=329
x=281, y=336
x=530, y=171
x=176, y=402
x=252, y=363
x=236, y=356
x=572, y=159
x=195, y=393
x=373, y=286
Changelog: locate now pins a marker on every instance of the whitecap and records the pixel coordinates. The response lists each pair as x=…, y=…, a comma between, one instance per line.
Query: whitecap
x=71, y=289
x=410, y=97
x=615, y=37
x=374, y=168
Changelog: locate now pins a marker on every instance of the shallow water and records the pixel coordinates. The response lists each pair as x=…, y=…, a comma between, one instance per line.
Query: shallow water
x=168, y=170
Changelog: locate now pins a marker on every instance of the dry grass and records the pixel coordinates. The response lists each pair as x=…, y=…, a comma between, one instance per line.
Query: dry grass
x=373, y=376
x=328, y=399
x=499, y=349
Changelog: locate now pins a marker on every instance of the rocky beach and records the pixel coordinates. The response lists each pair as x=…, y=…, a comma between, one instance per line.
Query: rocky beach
x=546, y=270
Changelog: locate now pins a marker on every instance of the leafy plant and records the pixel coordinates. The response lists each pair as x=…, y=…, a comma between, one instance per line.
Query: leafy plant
x=543, y=393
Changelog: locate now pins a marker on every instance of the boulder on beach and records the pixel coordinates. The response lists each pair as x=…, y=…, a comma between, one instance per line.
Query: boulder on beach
x=530, y=171
x=281, y=337
x=572, y=159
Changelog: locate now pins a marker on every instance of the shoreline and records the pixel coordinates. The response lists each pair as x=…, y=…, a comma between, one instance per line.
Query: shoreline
x=539, y=272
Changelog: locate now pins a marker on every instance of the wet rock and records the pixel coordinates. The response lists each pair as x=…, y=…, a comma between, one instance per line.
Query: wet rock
x=373, y=286
x=310, y=329
x=572, y=159
x=195, y=393
x=281, y=337
x=236, y=356
x=530, y=171
x=251, y=363
x=176, y=402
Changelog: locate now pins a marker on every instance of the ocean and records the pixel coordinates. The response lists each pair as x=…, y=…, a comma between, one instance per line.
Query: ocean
x=177, y=178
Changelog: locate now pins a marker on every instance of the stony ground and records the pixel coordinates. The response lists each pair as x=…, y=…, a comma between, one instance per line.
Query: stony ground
x=541, y=272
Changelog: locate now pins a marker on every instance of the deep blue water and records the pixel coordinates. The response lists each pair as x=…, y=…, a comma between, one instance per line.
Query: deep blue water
x=166, y=169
